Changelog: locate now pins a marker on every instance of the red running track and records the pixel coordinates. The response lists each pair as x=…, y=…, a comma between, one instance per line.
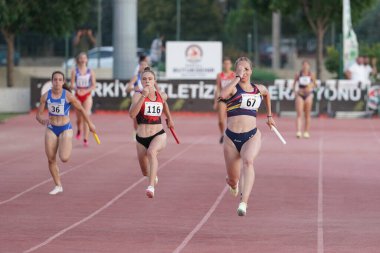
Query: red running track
x=317, y=195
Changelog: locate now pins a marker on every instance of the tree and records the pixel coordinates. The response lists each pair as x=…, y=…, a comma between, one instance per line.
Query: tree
x=55, y=18
x=319, y=15
x=239, y=23
x=200, y=19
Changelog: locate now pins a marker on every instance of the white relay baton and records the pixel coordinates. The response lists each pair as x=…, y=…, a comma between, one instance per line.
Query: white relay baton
x=274, y=129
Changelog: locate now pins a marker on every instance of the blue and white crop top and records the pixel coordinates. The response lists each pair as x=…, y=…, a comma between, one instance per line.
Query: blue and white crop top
x=59, y=106
x=82, y=81
x=243, y=102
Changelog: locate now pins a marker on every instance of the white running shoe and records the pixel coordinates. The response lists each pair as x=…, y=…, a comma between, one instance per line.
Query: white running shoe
x=242, y=209
x=57, y=189
x=150, y=191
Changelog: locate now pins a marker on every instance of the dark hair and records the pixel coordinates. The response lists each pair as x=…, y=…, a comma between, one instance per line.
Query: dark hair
x=142, y=58
x=65, y=85
x=226, y=58
x=148, y=69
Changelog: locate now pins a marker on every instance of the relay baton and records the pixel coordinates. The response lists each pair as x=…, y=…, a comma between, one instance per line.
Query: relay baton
x=96, y=137
x=274, y=129
x=173, y=132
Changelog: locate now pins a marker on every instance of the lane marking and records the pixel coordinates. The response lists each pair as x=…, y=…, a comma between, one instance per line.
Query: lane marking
x=202, y=222
x=61, y=174
x=320, y=199
x=108, y=204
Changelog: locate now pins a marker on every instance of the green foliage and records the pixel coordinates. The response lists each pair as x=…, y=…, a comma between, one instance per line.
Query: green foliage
x=367, y=28
x=238, y=24
x=51, y=17
x=370, y=50
x=332, y=60
x=263, y=75
x=200, y=19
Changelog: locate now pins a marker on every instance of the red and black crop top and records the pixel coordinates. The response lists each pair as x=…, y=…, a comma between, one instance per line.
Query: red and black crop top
x=150, y=112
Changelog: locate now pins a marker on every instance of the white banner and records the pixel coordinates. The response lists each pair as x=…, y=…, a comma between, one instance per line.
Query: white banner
x=195, y=60
x=350, y=42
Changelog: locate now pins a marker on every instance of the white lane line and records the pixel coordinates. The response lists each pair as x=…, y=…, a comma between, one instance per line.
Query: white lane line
x=201, y=223
x=320, y=199
x=108, y=204
x=63, y=173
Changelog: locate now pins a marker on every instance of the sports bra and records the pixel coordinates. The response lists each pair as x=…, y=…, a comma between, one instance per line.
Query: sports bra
x=243, y=102
x=59, y=106
x=150, y=112
x=304, y=80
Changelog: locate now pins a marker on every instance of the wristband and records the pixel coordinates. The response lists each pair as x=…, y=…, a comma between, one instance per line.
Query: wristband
x=238, y=77
x=269, y=116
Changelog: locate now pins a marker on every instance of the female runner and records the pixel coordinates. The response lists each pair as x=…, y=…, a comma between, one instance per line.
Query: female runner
x=84, y=82
x=147, y=107
x=243, y=140
x=304, y=97
x=222, y=80
x=59, y=133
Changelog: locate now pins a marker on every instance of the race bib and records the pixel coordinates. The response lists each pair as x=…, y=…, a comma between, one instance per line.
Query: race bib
x=304, y=80
x=153, y=109
x=83, y=82
x=56, y=109
x=250, y=101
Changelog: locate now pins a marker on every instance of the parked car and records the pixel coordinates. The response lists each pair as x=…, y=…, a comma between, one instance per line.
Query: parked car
x=3, y=56
x=105, y=57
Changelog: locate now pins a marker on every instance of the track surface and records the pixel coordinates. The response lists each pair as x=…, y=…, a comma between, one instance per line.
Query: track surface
x=317, y=195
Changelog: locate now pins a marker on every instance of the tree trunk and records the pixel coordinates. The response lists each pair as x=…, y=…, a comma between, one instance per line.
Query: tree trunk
x=320, y=36
x=9, y=38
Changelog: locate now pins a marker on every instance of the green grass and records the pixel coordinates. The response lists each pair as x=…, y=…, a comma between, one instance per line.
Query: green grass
x=263, y=75
x=6, y=116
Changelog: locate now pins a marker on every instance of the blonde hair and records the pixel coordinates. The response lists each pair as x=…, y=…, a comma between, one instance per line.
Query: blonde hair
x=246, y=59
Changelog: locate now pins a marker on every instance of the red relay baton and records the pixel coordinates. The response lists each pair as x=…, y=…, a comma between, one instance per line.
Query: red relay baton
x=173, y=132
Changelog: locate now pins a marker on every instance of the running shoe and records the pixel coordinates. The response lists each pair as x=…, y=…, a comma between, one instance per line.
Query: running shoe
x=299, y=134
x=57, y=189
x=242, y=209
x=306, y=135
x=85, y=143
x=78, y=136
x=150, y=191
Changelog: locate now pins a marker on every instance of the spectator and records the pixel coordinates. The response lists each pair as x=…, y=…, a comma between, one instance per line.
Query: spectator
x=357, y=71
x=83, y=41
x=370, y=66
x=156, y=50
x=142, y=58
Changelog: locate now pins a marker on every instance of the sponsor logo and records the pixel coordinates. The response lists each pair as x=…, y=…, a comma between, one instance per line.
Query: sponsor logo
x=194, y=53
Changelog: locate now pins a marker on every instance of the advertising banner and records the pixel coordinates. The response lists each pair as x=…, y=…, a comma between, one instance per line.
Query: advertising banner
x=198, y=95
x=194, y=60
